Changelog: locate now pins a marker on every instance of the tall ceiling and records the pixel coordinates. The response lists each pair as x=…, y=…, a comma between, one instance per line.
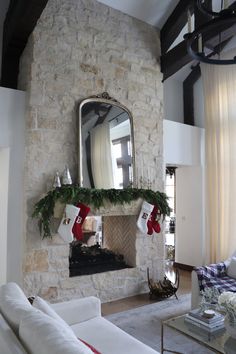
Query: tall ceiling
x=154, y=12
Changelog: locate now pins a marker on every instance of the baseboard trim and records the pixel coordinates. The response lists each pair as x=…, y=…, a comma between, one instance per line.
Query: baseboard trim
x=183, y=266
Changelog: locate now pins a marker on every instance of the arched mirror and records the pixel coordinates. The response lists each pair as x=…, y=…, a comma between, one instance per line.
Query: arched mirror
x=106, y=144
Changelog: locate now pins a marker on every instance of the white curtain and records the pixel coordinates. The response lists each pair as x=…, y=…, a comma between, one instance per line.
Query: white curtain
x=101, y=159
x=219, y=83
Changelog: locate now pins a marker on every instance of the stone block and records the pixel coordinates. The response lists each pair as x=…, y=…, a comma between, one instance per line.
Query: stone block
x=59, y=251
x=50, y=293
x=50, y=279
x=61, y=264
x=76, y=282
x=36, y=261
x=89, y=68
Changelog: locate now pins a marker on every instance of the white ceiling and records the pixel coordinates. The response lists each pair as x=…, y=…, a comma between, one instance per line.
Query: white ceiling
x=154, y=12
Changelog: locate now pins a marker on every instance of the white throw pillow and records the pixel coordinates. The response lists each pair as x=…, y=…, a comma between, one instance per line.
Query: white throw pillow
x=231, y=270
x=14, y=304
x=43, y=306
x=42, y=334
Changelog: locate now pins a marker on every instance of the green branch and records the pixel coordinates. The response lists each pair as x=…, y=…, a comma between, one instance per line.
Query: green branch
x=73, y=194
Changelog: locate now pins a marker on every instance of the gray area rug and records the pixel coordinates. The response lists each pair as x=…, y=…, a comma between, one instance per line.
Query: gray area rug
x=144, y=323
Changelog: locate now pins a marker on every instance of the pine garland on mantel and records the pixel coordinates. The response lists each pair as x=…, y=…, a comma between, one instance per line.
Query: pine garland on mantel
x=72, y=194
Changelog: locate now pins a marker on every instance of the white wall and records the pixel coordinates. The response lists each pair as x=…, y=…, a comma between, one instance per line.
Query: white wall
x=189, y=216
x=12, y=124
x=4, y=170
x=182, y=144
x=184, y=147
x=173, y=100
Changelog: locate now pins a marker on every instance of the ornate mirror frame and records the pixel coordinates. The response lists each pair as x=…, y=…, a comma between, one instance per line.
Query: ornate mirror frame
x=103, y=98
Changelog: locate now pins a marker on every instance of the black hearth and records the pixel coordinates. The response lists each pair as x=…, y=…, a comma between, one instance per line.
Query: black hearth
x=86, y=260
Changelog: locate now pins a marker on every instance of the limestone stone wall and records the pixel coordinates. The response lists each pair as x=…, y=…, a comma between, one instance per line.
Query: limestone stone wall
x=81, y=48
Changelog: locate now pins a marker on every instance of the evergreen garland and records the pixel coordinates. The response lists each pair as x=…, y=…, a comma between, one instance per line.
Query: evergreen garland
x=72, y=194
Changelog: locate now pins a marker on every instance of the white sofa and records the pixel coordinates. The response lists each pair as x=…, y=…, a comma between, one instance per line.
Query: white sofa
x=49, y=329
x=230, y=264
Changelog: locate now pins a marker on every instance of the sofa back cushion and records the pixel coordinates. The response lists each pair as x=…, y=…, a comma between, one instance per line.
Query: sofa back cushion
x=14, y=305
x=43, y=334
x=46, y=308
x=78, y=310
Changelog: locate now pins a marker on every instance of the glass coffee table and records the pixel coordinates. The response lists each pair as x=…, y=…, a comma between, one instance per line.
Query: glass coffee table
x=219, y=342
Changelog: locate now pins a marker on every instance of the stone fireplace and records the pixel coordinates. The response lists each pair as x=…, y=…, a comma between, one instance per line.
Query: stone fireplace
x=81, y=48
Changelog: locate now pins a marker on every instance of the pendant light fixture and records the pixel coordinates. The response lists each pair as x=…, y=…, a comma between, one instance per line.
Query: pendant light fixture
x=198, y=41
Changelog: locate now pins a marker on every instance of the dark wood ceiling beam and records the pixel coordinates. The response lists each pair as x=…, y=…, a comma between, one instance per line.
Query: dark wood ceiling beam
x=188, y=94
x=220, y=46
x=224, y=35
x=199, y=17
x=175, y=23
x=174, y=60
x=177, y=57
x=20, y=21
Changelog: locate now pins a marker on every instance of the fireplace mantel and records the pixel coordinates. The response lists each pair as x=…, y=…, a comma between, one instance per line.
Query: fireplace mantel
x=109, y=209
x=109, y=202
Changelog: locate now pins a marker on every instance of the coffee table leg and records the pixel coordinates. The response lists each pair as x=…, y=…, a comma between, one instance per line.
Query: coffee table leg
x=162, y=342
x=162, y=338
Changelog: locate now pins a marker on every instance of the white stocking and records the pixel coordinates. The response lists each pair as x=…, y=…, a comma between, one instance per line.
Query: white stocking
x=67, y=222
x=144, y=216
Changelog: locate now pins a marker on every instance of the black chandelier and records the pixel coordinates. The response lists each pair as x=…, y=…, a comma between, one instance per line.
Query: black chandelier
x=197, y=40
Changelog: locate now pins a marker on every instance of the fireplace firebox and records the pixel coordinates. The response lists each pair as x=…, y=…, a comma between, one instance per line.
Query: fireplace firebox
x=86, y=260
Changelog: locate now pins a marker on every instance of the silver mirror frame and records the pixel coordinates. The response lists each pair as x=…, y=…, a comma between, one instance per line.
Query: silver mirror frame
x=103, y=98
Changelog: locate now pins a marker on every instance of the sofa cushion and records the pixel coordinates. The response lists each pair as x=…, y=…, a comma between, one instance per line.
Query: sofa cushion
x=46, y=308
x=90, y=346
x=14, y=304
x=108, y=338
x=42, y=334
x=231, y=270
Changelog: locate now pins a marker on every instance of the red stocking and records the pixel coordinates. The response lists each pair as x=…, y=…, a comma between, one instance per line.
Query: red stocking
x=77, y=227
x=152, y=223
x=156, y=227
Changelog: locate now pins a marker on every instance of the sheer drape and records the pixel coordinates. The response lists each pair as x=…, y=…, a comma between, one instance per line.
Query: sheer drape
x=219, y=84
x=101, y=159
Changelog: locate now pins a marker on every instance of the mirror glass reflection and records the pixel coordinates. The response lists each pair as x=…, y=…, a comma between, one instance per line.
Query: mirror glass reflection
x=106, y=145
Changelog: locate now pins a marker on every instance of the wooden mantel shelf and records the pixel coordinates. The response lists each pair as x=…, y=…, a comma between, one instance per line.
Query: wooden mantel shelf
x=109, y=209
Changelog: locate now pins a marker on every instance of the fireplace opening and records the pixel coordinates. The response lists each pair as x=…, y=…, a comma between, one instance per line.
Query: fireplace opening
x=97, y=252
x=86, y=260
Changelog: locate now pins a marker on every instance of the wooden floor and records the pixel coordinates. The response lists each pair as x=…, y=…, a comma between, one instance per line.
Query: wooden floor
x=143, y=299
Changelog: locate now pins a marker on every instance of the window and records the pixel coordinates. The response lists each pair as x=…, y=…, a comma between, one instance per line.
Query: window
x=170, y=220
x=121, y=150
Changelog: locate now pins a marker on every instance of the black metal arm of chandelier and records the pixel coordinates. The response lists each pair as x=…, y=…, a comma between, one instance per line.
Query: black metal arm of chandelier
x=203, y=8
x=224, y=17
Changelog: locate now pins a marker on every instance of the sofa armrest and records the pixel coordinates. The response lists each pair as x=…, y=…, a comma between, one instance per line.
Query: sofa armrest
x=78, y=310
x=204, y=276
x=9, y=343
